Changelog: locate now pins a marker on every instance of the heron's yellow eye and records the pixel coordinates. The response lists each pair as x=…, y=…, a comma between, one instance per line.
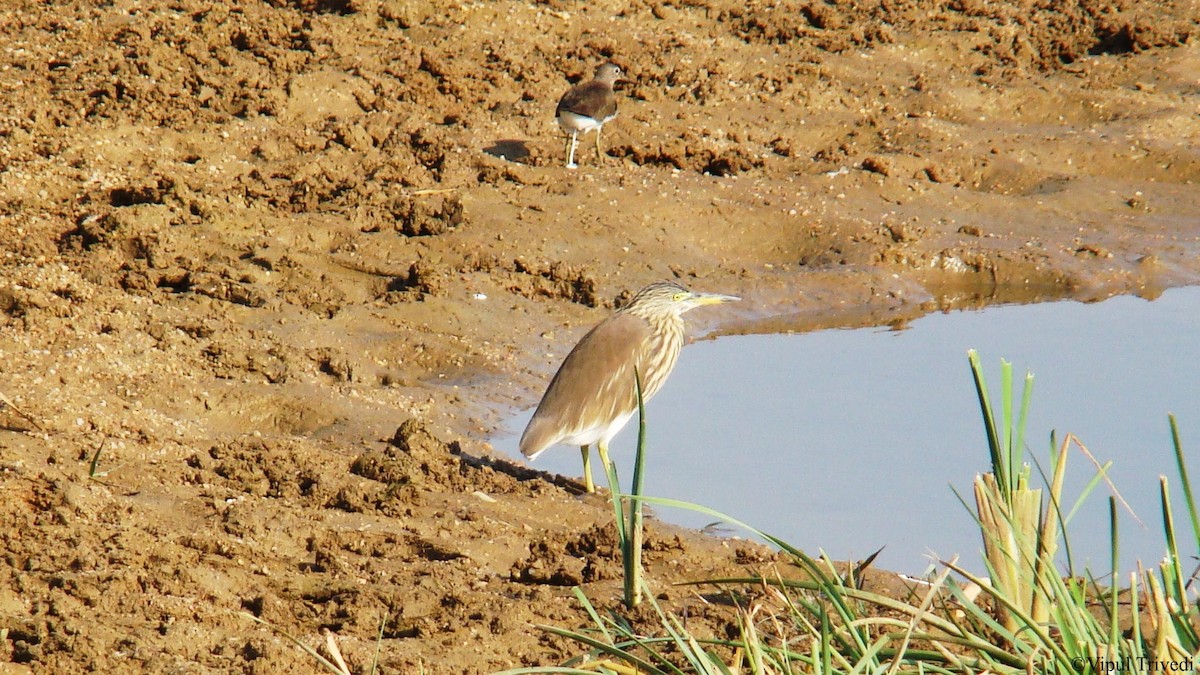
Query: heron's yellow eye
x=680, y=296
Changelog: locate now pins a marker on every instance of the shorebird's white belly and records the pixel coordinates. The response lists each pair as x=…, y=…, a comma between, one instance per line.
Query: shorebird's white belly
x=576, y=123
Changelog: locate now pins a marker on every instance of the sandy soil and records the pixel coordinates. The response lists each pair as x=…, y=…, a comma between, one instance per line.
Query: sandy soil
x=272, y=271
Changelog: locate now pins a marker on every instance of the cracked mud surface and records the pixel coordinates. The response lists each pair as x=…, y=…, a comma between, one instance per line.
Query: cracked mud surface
x=276, y=270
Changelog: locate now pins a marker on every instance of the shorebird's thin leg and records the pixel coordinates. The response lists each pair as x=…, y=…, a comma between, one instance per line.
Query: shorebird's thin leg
x=571, y=142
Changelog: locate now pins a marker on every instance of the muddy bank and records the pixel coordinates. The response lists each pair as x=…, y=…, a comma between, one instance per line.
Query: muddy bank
x=269, y=272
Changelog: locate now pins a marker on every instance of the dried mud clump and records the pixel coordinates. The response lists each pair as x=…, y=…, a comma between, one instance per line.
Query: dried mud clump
x=423, y=278
x=555, y=280
x=413, y=457
x=259, y=468
x=571, y=559
x=1045, y=41
x=424, y=216
x=815, y=24
x=691, y=154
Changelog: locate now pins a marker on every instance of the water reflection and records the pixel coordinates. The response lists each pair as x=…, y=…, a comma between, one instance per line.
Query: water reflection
x=848, y=440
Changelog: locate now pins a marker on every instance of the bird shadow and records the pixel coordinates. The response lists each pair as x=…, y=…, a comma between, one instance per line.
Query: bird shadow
x=509, y=149
x=520, y=471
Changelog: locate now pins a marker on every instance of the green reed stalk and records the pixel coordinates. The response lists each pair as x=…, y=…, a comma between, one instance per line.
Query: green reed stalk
x=632, y=553
x=630, y=529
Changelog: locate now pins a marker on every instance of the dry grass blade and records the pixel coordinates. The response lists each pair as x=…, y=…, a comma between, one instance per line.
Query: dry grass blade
x=332, y=647
x=338, y=668
x=8, y=403
x=917, y=617
x=1102, y=470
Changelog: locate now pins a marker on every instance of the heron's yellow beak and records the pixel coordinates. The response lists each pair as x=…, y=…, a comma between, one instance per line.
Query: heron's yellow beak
x=713, y=298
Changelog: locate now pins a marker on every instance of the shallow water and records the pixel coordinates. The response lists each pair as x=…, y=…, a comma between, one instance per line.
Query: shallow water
x=851, y=440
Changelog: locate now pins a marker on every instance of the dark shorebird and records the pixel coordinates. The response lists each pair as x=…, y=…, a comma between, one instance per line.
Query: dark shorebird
x=587, y=106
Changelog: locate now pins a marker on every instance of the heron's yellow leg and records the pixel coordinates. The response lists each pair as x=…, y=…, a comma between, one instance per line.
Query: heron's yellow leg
x=587, y=469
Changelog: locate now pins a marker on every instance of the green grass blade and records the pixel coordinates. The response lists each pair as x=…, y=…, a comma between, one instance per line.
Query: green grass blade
x=1183, y=476
x=378, y=644
x=1101, y=474
x=1026, y=398
x=94, y=465
x=615, y=650
x=683, y=642
x=1175, y=589
x=989, y=421
x=1006, y=420
x=1113, y=619
x=639, y=465
x=826, y=649
x=591, y=612
x=614, y=495
x=547, y=670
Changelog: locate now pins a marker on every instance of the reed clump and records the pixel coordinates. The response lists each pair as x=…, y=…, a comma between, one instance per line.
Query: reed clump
x=1027, y=615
